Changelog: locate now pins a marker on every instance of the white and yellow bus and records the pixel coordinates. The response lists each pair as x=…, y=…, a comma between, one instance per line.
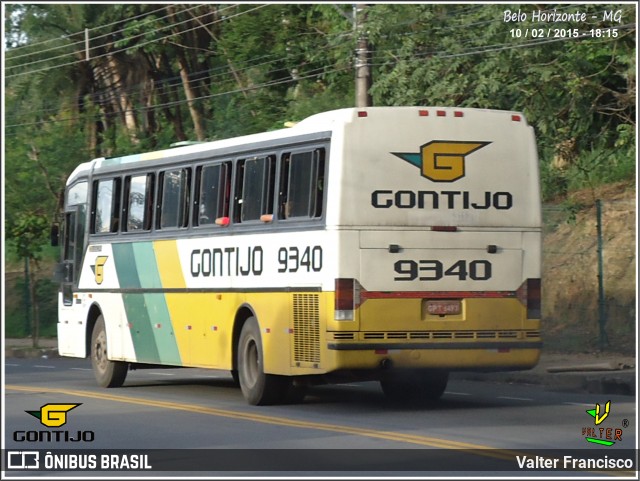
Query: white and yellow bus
x=385, y=243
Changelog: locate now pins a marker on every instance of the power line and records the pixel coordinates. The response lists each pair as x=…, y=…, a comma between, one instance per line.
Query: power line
x=69, y=36
x=107, y=44
x=109, y=93
x=488, y=49
x=308, y=75
x=31, y=72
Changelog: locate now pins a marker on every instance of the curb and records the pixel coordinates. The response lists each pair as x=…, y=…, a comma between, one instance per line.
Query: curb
x=588, y=382
x=30, y=352
x=620, y=382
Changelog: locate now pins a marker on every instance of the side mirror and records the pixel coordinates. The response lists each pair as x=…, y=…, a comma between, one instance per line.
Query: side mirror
x=55, y=235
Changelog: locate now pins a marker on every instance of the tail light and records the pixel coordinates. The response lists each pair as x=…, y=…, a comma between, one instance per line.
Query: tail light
x=347, y=298
x=530, y=295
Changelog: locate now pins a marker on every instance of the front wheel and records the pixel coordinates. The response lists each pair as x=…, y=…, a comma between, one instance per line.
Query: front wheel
x=108, y=373
x=257, y=387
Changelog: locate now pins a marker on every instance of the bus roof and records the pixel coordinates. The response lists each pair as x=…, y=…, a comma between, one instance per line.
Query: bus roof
x=321, y=122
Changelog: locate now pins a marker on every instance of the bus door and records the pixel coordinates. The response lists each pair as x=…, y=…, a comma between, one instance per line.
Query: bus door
x=72, y=252
x=70, y=322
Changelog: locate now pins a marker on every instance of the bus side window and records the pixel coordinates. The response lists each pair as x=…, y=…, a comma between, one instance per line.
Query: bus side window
x=139, y=202
x=256, y=179
x=213, y=186
x=105, y=210
x=304, y=185
x=285, y=162
x=174, y=195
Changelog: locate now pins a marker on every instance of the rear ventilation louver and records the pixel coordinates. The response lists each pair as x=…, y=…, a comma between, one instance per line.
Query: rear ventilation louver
x=306, y=328
x=395, y=335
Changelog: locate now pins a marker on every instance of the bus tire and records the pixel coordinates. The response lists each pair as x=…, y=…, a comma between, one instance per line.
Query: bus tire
x=235, y=377
x=415, y=386
x=107, y=373
x=257, y=387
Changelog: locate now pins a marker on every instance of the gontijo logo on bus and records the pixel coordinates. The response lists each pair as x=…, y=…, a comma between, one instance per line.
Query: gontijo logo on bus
x=98, y=268
x=442, y=160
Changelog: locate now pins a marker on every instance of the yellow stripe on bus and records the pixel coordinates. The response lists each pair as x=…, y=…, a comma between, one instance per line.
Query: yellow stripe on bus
x=170, y=272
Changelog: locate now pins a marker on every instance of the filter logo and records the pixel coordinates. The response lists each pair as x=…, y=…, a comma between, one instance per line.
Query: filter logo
x=604, y=436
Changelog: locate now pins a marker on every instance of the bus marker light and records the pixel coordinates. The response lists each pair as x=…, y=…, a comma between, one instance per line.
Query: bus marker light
x=441, y=113
x=347, y=298
x=266, y=217
x=444, y=228
x=381, y=351
x=267, y=330
x=516, y=118
x=529, y=294
x=458, y=114
x=362, y=113
x=223, y=221
x=423, y=113
x=158, y=325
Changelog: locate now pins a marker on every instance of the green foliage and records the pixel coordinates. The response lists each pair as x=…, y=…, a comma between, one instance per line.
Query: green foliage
x=251, y=67
x=17, y=313
x=29, y=233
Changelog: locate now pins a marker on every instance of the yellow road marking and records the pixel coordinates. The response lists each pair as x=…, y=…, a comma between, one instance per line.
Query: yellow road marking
x=261, y=418
x=476, y=449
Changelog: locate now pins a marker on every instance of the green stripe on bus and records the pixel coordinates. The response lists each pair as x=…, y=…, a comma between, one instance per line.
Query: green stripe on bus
x=146, y=265
x=151, y=329
x=142, y=335
x=126, y=266
x=162, y=329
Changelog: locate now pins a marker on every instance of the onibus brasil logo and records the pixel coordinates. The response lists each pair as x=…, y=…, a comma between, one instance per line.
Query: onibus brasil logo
x=601, y=435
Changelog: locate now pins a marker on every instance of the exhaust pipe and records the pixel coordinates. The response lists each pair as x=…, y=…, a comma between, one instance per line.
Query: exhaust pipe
x=386, y=364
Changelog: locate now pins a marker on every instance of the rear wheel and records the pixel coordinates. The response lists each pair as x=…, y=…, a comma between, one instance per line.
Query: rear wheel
x=108, y=373
x=257, y=387
x=415, y=386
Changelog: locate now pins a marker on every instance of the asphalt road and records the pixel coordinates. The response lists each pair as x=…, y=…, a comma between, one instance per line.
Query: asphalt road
x=475, y=429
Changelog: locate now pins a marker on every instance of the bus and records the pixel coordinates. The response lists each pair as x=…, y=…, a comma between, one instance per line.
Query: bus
x=387, y=244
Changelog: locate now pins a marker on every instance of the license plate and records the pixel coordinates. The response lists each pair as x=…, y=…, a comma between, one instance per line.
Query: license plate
x=444, y=308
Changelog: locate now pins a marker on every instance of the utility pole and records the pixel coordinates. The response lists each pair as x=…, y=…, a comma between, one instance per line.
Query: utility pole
x=363, y=56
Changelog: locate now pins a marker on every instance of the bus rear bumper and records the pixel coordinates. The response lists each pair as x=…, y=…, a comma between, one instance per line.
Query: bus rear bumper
x=453, y=356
